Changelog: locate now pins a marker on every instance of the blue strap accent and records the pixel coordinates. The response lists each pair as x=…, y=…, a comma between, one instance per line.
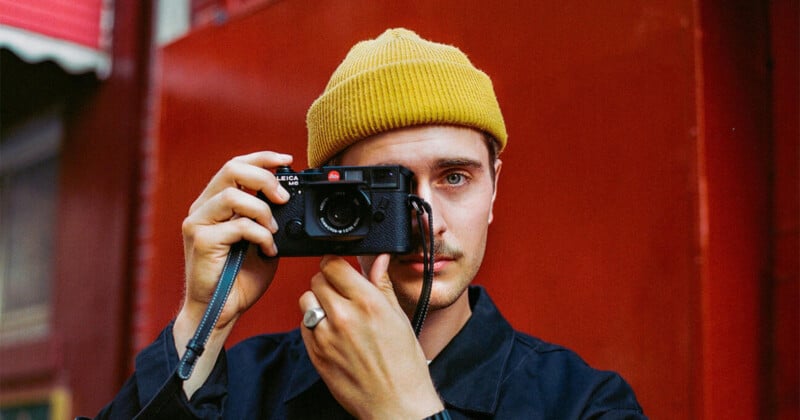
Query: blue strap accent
x=196, y=345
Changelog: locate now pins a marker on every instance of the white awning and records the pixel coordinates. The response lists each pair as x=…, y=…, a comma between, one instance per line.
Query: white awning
x=73, y=58
x=75, y=34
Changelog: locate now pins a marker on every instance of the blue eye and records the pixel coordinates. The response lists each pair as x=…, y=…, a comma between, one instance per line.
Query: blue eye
x=454, y=178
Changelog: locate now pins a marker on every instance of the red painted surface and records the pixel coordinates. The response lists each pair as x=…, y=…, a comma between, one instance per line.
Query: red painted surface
x=594, y=241
x=734, y=162
x=632, y=221
x=647, y=214
x=76, y=21
x=785, y=364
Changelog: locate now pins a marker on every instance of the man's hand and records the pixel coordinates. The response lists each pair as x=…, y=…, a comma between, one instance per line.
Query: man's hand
x=227, y=212
x=365, y=349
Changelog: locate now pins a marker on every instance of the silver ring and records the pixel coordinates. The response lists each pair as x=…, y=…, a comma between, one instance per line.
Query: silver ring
x=312, y=317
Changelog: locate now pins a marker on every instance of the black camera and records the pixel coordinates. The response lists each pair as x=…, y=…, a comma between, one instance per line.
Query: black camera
x=344, y=210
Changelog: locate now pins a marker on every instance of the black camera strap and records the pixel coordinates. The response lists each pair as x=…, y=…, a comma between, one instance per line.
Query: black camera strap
x=233, y=263
x=421, y=207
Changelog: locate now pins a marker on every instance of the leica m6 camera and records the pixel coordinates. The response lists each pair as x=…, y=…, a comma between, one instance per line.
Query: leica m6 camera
x=344, y=210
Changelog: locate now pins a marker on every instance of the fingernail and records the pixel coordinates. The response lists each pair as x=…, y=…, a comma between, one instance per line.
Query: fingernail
x=283, y=193
x=273, y=225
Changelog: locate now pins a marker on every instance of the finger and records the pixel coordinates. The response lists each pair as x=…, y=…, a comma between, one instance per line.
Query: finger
x=230, y=205
x=265, y=160
x=312, y=310
x=251, y=172
x=234, y=202
x=230, y=232
x=310, y=341
x=379, y=275
x=307, y=301
x=328, y=297
x=343, y=277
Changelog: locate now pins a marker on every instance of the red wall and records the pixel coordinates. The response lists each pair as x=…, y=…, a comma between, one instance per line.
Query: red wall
x=784, y=364
x=734, y=157
x=612, y=235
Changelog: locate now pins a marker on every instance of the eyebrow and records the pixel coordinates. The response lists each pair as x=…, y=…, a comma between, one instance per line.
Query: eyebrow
x=457, y=162
x=444, y=163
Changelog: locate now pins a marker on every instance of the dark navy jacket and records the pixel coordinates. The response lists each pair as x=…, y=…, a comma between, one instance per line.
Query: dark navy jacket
x=487, y=371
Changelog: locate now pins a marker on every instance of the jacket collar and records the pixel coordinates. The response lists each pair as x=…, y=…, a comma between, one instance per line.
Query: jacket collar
x=468, y=371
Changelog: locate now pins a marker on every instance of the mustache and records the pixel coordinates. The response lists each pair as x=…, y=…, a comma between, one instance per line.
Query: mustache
x=441, y=249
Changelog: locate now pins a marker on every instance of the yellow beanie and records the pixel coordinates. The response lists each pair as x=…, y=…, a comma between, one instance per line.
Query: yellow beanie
x=400, y=80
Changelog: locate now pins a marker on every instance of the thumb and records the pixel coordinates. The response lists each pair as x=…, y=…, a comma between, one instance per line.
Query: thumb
x=379, y=276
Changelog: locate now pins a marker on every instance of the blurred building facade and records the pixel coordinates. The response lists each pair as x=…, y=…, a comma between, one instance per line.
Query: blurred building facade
x=647, y=214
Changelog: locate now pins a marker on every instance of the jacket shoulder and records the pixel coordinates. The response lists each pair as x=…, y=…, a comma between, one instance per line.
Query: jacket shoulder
x=561, y=378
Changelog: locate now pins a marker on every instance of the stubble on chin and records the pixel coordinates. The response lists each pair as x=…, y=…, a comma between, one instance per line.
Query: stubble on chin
x=443, y=295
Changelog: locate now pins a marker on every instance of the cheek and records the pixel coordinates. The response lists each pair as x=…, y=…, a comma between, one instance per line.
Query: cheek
x=468, y=216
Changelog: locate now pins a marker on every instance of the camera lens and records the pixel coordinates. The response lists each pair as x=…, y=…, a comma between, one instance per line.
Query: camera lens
x=342, y=211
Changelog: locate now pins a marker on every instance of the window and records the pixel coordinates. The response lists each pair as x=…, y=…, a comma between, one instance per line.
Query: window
x=28, y=202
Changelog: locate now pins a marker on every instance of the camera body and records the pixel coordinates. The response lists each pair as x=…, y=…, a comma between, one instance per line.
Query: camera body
x=344, y=210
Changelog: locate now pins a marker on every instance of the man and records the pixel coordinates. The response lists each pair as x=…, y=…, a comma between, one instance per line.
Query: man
x=394, y=100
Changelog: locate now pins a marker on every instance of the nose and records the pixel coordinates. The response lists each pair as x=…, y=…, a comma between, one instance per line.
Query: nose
x=425, y=192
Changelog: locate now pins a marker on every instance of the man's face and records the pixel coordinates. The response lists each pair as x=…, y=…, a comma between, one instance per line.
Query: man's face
x=452, y=173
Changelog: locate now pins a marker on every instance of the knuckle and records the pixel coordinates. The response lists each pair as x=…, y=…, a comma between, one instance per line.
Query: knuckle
x=195, y=205
x=229, y=196
x=317, y=280
x=324, y=341
x=304, y=298
x=188, y=227
x=201, y=240
x=343, y=318
x=326, y=266
x=231, y=165
x=246, y=224
x=369, y=307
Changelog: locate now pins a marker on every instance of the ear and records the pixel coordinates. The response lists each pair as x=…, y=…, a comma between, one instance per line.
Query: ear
x=498, y=164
